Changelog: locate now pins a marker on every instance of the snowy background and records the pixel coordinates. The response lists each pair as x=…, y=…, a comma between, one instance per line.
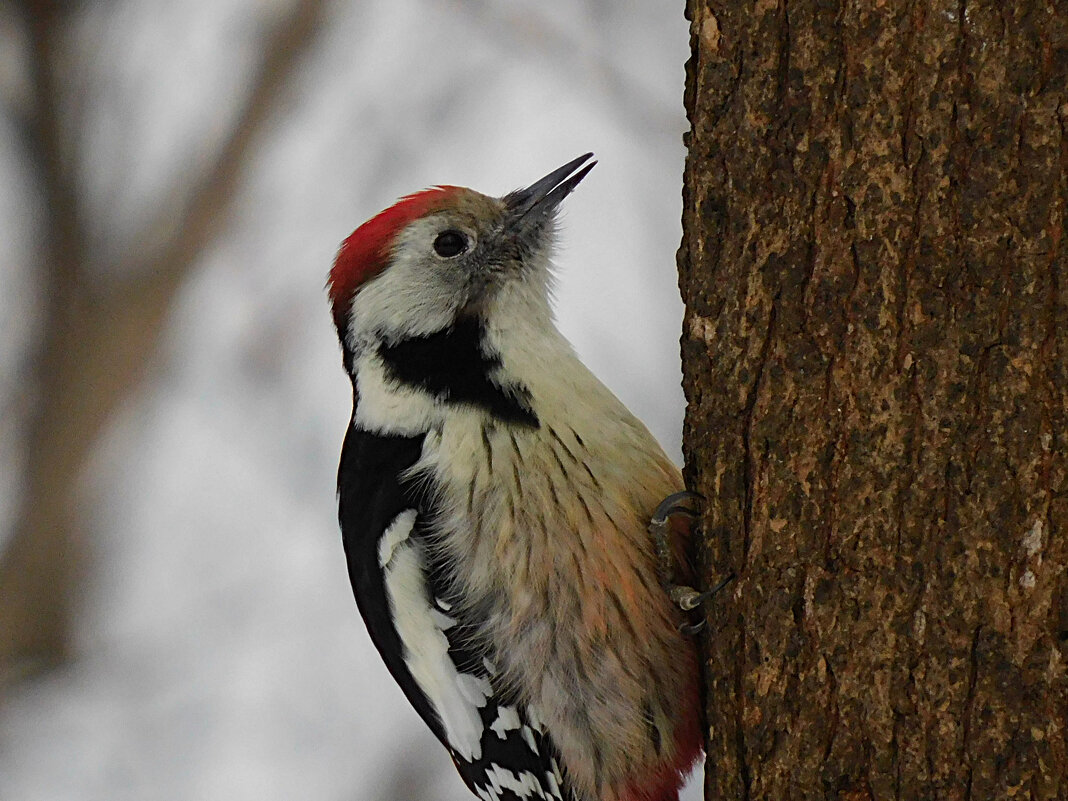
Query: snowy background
x=220, y=654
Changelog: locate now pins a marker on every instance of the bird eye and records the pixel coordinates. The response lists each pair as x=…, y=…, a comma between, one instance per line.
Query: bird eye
x=450, y=243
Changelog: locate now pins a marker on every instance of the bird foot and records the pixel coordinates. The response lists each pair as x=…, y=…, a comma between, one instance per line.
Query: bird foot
x=688, y=599
x=680, y=504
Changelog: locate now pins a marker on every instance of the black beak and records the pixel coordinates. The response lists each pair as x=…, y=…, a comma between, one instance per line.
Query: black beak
x=532, y=205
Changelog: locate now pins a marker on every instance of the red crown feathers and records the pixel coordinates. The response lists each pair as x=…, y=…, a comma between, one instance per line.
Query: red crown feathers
x=366, y=251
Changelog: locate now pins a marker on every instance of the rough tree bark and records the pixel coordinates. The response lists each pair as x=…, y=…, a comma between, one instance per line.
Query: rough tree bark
x=876, y=362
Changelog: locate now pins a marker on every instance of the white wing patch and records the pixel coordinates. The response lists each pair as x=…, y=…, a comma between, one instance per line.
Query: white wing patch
x=522, y=782
x=528, y=737
x=507, y=720
x=553, y=780
x=480, y=732
x=399, y=531
x=456, y=697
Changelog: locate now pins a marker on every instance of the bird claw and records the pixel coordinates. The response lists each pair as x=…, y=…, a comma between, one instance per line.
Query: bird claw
x=691, y=629
x=660, y=529
x=688, y=599
x=673, y=505
x=685, y=598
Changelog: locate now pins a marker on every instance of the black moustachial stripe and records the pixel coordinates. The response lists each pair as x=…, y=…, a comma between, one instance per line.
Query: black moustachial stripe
x=453, y=365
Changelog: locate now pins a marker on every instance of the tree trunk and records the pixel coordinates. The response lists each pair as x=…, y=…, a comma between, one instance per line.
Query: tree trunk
x=876, y=362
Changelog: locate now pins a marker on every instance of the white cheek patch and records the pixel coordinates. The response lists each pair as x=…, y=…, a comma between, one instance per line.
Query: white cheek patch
x=456, y=697
x=418, y=293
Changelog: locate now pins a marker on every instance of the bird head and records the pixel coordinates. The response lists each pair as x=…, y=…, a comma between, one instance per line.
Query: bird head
x=445, y=254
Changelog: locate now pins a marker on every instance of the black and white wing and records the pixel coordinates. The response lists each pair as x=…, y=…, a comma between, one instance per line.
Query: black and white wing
x=499, y=749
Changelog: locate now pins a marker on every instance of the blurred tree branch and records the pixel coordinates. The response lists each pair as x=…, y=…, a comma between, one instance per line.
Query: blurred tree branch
x=527, y=28
x=98, y=335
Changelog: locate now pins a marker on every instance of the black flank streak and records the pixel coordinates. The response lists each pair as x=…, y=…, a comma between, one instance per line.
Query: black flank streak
x=515, y=464
x=489, y=450
x=559, y=462
x=552, y=492
x=582, y=547
x=611, y=519
x=567, y=450
x=598, y=758
x=454, y=365
x=624, y=618
x=593, y=478
x=585, y=508
x=654, y=732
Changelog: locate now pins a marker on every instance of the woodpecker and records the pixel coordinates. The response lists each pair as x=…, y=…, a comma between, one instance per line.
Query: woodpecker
x=494, y=499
